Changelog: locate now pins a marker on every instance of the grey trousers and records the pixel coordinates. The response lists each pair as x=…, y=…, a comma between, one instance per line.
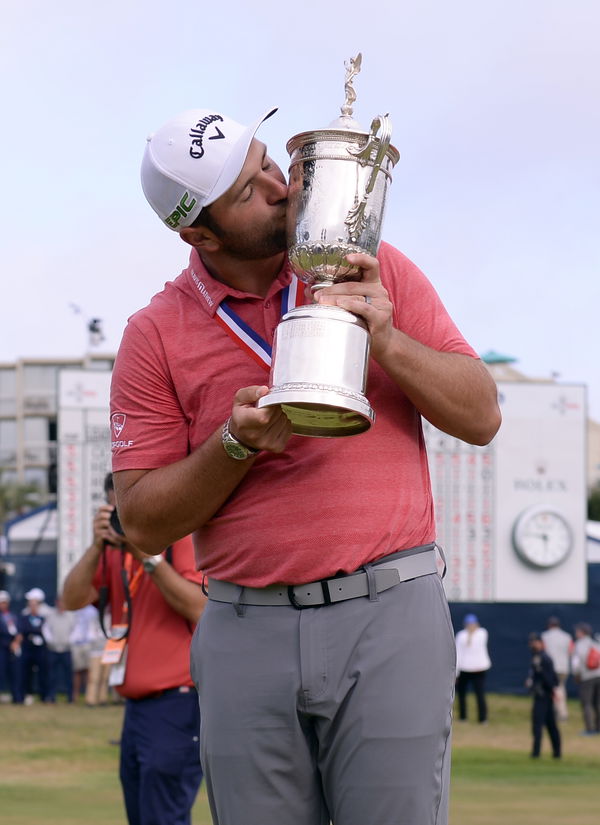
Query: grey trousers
x=337, y=713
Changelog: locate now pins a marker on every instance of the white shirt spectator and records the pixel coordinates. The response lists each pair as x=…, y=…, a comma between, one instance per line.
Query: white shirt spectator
x=57, y=630
x=558, y=645
x=471, y=650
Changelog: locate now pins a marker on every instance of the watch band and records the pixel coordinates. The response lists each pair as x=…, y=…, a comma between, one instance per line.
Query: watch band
x=151, y=563
x=234, y=447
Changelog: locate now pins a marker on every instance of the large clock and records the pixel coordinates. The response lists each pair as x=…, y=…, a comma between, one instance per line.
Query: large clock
x=542, y=536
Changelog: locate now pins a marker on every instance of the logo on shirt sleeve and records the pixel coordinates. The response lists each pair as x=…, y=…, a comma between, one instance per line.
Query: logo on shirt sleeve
x=118, y=421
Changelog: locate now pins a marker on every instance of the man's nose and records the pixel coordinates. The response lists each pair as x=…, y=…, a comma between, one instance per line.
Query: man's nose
x=277, y=190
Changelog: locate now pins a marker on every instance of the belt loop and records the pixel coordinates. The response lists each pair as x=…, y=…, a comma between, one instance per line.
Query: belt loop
x=371, y=582
x=239, y=608
x=441, y=552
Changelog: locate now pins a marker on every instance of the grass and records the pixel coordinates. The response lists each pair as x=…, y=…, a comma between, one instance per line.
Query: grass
x=494, y=780
x=57, y=767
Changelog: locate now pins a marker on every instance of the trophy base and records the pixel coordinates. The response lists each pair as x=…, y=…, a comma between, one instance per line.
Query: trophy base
x=320, y=411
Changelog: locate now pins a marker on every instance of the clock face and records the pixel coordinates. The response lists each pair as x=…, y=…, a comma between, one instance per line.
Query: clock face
x=542, y=536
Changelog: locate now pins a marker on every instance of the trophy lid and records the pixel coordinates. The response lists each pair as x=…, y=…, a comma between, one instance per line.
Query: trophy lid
x=345, y=120
x=344, y=128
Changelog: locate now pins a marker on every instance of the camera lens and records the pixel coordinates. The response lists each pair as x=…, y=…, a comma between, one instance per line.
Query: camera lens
x=115, y=523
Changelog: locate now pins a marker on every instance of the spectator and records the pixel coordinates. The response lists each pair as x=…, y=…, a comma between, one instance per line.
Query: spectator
x=38, y=595
x=542, y=682
x=472, y=664
x=587, y=675
x=97, y=690
x=558, y=645
x=10, y=648
x=57, y=630
x=155, y=603
x=81, y=644
x=34, y=661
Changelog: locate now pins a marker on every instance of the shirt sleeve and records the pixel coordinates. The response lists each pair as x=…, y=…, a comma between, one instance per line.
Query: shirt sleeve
x=418, y=309
x=183, y=560
x=148, y=426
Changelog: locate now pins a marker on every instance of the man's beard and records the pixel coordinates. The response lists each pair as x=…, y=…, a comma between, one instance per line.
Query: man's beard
x=248, y=246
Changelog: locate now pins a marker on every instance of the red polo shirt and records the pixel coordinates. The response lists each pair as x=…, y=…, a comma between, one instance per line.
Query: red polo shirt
x=321, y=506
x=158, y=645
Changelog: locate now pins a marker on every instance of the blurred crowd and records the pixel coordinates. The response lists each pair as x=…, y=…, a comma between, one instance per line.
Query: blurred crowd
x=555, y=655
x=46, y=651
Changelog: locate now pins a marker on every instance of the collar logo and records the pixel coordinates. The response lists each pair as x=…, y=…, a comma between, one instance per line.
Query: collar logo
x=118, y=422
x=197, y=134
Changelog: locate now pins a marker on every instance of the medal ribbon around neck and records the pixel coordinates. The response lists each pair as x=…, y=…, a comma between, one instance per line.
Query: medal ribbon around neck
x=243, y=334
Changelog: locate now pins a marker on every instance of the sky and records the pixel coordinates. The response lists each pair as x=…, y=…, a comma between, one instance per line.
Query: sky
x=495, y=106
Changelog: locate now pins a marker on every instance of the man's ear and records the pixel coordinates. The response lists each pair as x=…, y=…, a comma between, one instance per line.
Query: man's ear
x=200, y=237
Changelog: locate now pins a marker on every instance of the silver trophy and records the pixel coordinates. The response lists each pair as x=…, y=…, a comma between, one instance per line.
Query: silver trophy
x=339, y=178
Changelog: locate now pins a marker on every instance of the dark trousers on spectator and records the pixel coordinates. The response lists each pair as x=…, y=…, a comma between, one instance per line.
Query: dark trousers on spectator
x=543, y=716
x=60, y=666
x=477, y=679
x=34, y=660
x=589, y=693
x=9, y=672
x=160, y=758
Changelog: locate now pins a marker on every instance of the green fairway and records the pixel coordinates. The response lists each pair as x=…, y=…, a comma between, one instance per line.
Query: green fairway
x=494, y=781
x=58, y=767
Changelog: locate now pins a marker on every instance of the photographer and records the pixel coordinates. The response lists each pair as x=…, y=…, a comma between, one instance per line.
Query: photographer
x=155, y=603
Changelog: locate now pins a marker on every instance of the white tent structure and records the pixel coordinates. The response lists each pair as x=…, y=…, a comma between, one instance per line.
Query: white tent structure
x=34, y=533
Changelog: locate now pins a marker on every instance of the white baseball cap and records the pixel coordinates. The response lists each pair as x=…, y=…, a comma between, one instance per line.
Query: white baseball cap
x=4, y=596
x=35, y=594
x=191, y=161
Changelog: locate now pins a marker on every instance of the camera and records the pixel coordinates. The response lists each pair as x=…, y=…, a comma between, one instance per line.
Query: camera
x=115, y=523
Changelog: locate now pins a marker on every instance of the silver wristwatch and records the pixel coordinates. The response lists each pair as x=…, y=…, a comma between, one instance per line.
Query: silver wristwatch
x=151, y=563
x=233, y=447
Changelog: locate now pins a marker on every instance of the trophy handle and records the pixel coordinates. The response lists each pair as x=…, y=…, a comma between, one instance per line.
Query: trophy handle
x=355, y=220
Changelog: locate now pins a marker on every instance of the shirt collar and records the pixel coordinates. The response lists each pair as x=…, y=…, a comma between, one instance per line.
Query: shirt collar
x=210, y=292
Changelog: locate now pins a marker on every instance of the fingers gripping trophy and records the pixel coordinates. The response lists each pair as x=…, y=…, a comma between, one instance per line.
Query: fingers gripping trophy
x=339, y=177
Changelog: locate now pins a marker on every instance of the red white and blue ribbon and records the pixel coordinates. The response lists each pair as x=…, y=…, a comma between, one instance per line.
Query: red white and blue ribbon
x=243, y=334
x=293, y=295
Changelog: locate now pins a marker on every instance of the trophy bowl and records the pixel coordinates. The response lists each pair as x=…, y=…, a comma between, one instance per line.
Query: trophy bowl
x=336, y=199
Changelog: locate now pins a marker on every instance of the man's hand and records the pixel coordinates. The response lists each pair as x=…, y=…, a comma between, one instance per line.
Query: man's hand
x=455, y=392
x=367, y=298
x=159, y=506
x=103, y=532
x=267, y=428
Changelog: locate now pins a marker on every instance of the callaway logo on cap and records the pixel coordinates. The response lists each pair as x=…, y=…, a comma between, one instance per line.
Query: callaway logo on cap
x=191, y=161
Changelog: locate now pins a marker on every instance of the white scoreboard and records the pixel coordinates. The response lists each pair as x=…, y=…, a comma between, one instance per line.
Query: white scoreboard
x=83, y=459
x=511, y=516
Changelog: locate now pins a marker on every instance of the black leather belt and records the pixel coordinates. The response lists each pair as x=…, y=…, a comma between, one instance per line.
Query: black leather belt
x=158, y=693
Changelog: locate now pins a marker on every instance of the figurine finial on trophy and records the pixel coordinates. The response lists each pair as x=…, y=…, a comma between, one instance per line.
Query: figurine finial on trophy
x=352, y=69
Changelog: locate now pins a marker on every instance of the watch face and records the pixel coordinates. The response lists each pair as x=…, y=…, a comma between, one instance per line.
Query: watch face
x=233, y=447
x=542, y=536
x=236, y=450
